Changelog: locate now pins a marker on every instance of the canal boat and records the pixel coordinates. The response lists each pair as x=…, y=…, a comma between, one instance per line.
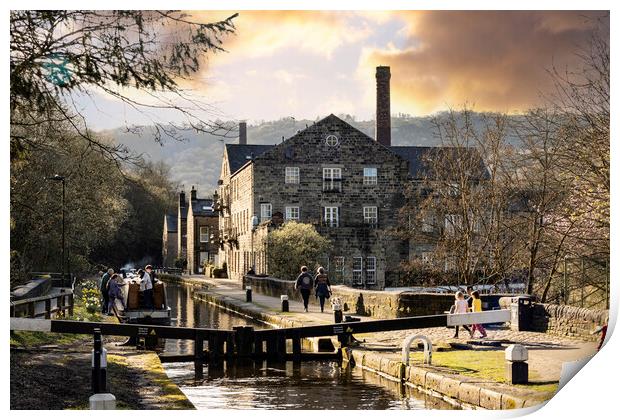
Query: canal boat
x=132, y=311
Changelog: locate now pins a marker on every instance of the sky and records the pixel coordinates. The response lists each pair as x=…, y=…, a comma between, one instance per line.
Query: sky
x=308, y=64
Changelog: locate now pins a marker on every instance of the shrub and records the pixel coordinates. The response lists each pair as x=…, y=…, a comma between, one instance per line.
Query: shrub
x=293, y=245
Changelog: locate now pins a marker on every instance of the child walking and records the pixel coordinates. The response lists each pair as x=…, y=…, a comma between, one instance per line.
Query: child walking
x=460, y=307
x=476, y=306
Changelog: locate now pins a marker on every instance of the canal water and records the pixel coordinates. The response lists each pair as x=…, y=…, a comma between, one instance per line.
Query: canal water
x=276, y=385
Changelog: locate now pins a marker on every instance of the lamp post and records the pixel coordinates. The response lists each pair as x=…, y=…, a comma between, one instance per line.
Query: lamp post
x=63, y=262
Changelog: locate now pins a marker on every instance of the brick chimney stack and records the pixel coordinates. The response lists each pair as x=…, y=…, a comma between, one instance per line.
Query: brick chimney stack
x=193, y=193
x=182, y=199
x=383, y=124
x=243, y=133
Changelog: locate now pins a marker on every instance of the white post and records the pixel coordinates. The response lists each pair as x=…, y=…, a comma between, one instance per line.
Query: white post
x=102, y=402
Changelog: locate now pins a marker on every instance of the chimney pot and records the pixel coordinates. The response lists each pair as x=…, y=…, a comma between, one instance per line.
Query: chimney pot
x=193, y=193
x=383, y=125
x=243, y=133
x=182, y=199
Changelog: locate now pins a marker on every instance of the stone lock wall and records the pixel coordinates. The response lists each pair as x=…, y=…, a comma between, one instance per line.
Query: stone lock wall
x=373, y=303
x=568, y=321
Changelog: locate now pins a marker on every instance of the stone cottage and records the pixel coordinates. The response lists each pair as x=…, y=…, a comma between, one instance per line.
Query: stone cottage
x=202, y=233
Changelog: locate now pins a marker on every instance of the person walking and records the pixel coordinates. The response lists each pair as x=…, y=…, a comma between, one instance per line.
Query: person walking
x=322, y=287
x=103, y=289
x=460, y=307
x=115, y=292
x=146, y=287
x=304, y=284
x=476, y=306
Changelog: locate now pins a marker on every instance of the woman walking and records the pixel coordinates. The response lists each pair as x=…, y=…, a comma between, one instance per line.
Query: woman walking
x=304, y=284
x=476, y=306
x=322, y=287
x=460, y=307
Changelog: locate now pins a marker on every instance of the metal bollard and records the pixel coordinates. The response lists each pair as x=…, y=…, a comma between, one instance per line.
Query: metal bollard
x=516, y=364
x=99, y=364
x=337, y=308
x=248, y=293
x=284, y=299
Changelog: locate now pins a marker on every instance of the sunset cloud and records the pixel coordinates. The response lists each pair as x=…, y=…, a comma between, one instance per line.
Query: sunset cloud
x=308, y=64
x=497, y=60
x=262, y=33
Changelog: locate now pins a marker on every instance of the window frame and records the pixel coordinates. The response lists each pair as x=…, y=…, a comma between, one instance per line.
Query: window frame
x=368, y=219
x=330, y=137
x=370, y=179
x=200, y=234
x=286, y=213
x=367, y=271
x=428, y=223
x=291, y=175
x=330, y=222
x=332, y=182
x=263, y=206
x=359, y=271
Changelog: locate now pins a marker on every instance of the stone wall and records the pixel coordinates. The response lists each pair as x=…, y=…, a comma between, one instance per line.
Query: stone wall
x=568, y=321
x=373, y=303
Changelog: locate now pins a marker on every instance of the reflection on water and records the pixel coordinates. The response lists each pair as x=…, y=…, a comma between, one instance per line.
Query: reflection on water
x=188, y=312
x=269, y=385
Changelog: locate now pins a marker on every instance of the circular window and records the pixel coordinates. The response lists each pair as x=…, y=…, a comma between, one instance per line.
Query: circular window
x=331, y=140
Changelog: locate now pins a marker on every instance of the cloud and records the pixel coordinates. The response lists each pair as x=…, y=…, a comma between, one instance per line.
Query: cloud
x=288, y=77
x=497, y=60
x=262, y=33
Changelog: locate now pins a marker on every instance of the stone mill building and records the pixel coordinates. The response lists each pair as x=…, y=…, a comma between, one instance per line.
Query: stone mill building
x=347, y=184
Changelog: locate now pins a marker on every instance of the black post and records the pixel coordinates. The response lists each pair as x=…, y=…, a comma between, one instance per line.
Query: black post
x=198, y=355
x=248, y=293
x=99, y=373
x=230, y=346
x=48, y=308
x=244, y=339
x=297, y=348
x=258, y=347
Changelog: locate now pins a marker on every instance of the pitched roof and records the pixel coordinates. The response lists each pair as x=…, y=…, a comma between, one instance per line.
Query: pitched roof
x=419, y=156
x=240, y=154
x=415, y=156
x=171, y=222
x=203, y=207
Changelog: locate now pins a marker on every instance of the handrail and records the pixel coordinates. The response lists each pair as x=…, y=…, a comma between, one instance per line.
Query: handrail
x=39, y=298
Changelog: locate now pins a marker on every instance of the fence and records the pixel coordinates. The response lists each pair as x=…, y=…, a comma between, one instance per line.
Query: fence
x=582, y=282
x=31, y=308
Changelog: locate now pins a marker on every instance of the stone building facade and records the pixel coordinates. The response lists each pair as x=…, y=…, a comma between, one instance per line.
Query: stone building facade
x=202, y=233
x=331, y=175
x=169, y=240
